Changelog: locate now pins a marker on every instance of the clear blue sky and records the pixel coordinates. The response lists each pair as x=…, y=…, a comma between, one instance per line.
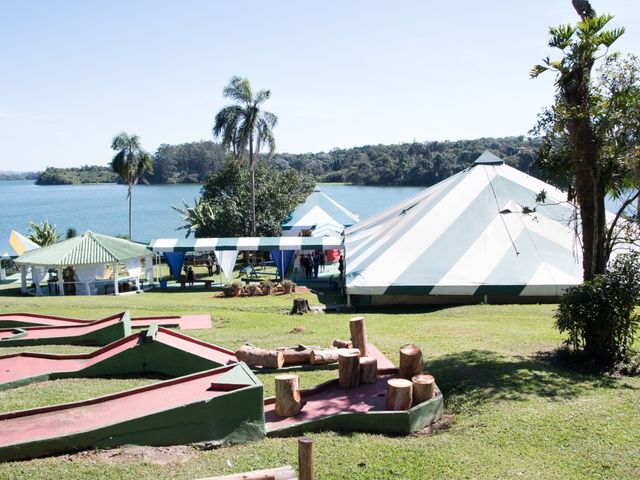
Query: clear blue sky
x=342, y=74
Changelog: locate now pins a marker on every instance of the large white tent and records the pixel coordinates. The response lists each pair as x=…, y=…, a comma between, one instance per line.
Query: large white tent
x=467, y=238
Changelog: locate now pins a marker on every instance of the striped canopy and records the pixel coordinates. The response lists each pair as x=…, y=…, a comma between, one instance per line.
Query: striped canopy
x=245, y=244
x=15, y=244
x=319, y=209
x=468, y=235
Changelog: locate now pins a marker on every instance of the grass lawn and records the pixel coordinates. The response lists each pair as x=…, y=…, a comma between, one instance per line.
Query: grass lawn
x=511, y=414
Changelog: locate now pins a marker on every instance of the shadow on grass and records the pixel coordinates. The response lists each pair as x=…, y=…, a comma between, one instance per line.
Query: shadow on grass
x=474, y=377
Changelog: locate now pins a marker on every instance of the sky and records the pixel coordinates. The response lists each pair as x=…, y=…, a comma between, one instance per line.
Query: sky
x=341, y=74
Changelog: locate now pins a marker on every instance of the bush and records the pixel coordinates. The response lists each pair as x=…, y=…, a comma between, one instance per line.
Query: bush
x=266, y=287
x=253, y=290
x=599, y=315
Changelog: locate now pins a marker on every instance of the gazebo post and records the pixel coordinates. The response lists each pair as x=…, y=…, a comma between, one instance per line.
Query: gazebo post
x=23, y=278
x=60, y=282
x=115, y=279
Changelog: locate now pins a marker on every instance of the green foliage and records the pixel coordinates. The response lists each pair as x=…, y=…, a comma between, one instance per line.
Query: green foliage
x=599, y=316
x=278, y=192
x=76, y=176
x=19, y=175
x=197, y=218
x=71, y=232
x=186, y=162
x=43, y=233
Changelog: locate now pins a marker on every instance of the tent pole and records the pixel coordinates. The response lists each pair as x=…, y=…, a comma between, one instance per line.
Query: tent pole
x=60, y=282
x=115, y=279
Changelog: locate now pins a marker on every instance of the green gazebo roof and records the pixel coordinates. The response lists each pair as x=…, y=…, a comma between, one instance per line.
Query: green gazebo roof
x=87, y=249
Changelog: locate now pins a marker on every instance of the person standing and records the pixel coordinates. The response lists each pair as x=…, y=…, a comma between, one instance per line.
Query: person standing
x=308, y=266
x=323, y=258
x=316, y=264
x=341, y=266
x=210, y=265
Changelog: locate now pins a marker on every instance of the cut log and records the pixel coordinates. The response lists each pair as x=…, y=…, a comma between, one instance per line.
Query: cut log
x=349, y=369
x=410, y=361
x=423, y=388
x=305, y=458
x=258, y=356
x=342, y=343
x=368, y=370
x=299, y=355
x=300, y=306
x=283, y=473
x=358, y=335
x=321, y=356
x=399, y=394
x=288, y=402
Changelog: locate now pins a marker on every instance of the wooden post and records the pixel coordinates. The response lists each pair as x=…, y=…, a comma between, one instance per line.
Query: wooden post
x=399, y=394
x=288, y=403
x=321, y=356
x=423, y=388
x=258, y=356
x=305, y=458
x=358, y=335
x=410, y=361
x=368, y=370
x=342, y=343
x=349, y=370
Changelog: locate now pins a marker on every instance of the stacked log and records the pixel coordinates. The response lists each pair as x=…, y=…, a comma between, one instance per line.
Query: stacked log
x=254, y=356
x=410, y=361
x=358, y=335
x=337, y=343
x=297, y=355
x=321, y=356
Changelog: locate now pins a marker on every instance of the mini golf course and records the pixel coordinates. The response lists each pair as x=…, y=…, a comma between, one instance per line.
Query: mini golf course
x=214, y=399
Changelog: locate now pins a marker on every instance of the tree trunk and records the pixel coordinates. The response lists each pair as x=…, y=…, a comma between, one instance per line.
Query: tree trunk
x=423, y=388
x=349, y=370
x=368, y=370
x=410, y=361
x=253, y=201
x=320, y=356
x=253, y=356
x=399, y=394
x=358, y=334
x=130, y=209
x=288, y=402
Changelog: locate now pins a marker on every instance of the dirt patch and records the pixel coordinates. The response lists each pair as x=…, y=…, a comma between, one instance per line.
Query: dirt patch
x=174, y=455
x=444, y=423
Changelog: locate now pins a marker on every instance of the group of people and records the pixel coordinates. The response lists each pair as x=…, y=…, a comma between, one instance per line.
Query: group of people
x=312, y=264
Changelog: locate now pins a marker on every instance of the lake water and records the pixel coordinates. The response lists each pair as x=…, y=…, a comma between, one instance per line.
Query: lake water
x=104, y=208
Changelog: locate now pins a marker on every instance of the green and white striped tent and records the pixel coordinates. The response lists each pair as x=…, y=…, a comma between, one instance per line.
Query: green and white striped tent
x=321, y=214
x=245, y=244
x=467, y=236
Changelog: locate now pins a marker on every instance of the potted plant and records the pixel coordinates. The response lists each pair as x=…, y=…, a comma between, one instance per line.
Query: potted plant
x=253, y=290
x=228, y=290
x=266, y=287
x=237, y=288
x=288, y=286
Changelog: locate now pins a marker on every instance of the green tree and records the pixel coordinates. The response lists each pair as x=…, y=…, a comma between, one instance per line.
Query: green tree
x=583, y=140
x=278, y=193
x=195, y=219
x=131, y=163
x=245, y=129
x=71, y=232
x=43, y=233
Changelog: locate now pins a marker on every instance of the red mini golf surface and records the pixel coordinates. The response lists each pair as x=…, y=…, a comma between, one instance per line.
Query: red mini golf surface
x=183, y=322
x=27, y=365
x=330, y=399
x=383, y=362
x=72, y=330
x=71, y=418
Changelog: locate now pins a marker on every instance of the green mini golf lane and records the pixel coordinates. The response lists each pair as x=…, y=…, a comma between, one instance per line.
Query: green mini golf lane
x=224, y=404
x=155, y=350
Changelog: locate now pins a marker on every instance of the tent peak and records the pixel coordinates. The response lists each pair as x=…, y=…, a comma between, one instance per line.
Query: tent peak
x=316, y=188
x=488, y=158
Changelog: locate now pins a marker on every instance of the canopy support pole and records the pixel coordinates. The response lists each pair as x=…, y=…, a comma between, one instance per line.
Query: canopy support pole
x=60, y=282
x=115, y=279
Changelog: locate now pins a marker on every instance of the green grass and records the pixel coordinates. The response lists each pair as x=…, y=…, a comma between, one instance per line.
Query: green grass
x=514, y=414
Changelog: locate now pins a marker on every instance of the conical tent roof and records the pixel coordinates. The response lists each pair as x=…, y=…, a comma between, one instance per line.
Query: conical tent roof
x=15, y=244
x=88, y=249
x=319, y=210
x=468, y=235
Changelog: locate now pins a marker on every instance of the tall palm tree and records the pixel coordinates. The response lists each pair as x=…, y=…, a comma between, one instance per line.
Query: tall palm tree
x=130, y=163
x=245, y=129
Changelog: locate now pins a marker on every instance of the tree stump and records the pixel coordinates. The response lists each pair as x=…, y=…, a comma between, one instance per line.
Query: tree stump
x=320, y=356
x=305, y=458
x=342, y=343
x=300, y=306
x=358, y=335
x=423, y=388
x=399, y=394
x=368, y=370
x=410, y=361
x=288, y=402
x=349, y=369
x=253, y=356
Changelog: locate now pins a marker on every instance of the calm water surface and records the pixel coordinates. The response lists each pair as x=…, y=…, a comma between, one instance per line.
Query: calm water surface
x=103, y=208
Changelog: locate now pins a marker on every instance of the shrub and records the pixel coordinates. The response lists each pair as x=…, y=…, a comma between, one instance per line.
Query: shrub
x=599, y=315
x=288, y=286
x=266, y=287
x=253, y=290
